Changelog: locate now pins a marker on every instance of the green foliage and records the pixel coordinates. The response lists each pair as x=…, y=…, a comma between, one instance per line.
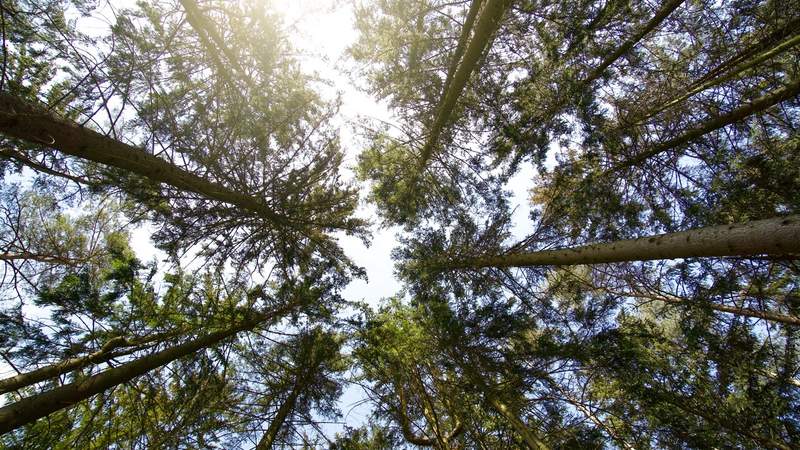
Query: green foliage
x=627, y=121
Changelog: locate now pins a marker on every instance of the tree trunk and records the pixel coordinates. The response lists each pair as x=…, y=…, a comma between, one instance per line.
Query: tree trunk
x=104, y=354
x=784, y=93
x=776, y=236
x=487, y=23
x=40, y=405
x=669, y=298
x=32, y=123
x=752, y=63
x=766, y=315
x=463, y=38
x=213, y=43
x=285, y=409
x=626, y=46
x=533, y=441
x=788, y=29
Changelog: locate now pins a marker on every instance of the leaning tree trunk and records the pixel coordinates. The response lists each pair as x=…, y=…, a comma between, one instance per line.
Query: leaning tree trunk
x=35, y=407
x=106, y=353
x=741, y=68
x=786, y=30
x=788, y=91
x=529, y=436
x=777, y=236
x=488, y=21
x=32, y=123
x=275, y=426
x=303, y=382
x=463, y=39
x=214, y=44
x=626, y=46
x=531, y=439
x=617, y=53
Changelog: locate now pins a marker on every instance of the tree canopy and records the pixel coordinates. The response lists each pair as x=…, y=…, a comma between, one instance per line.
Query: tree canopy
x=650, y=298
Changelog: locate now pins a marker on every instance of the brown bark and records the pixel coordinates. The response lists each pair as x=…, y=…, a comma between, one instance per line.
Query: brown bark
x=32, y=256
x=32, y=123
x=104, y=354
x=405, y=423
x=776, y=236
x=30, y=409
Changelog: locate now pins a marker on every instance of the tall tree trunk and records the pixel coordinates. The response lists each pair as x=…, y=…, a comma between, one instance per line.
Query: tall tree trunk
x=743, y=67
x=664, y=12
x=776, y=236
x=32, y=123
x=463, y=38
x=623, y=49
x=285, y=409
x=476, y=378
x=665, y=297
x=766, y=315
x=487, y=23
x=214, y=43
x=531, y=439
x=104, y=354
x=30, y=409
x=784, y=93
x=787, y=30
x=405, y=422
x=303, y=380
x=684, y=404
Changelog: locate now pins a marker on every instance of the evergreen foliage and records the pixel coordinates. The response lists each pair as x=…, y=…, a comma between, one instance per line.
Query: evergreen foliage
x=653, y=303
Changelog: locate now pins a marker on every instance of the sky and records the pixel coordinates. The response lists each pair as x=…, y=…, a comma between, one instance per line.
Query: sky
x=321, y=31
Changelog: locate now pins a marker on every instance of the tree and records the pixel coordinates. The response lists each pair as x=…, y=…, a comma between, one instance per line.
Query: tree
x=652, y=301
x=777, y=237
x=282, y=203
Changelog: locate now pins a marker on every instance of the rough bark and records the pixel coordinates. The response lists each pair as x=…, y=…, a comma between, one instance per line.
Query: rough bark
x=32, y=123
x=30, y=409
x=777, y=236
